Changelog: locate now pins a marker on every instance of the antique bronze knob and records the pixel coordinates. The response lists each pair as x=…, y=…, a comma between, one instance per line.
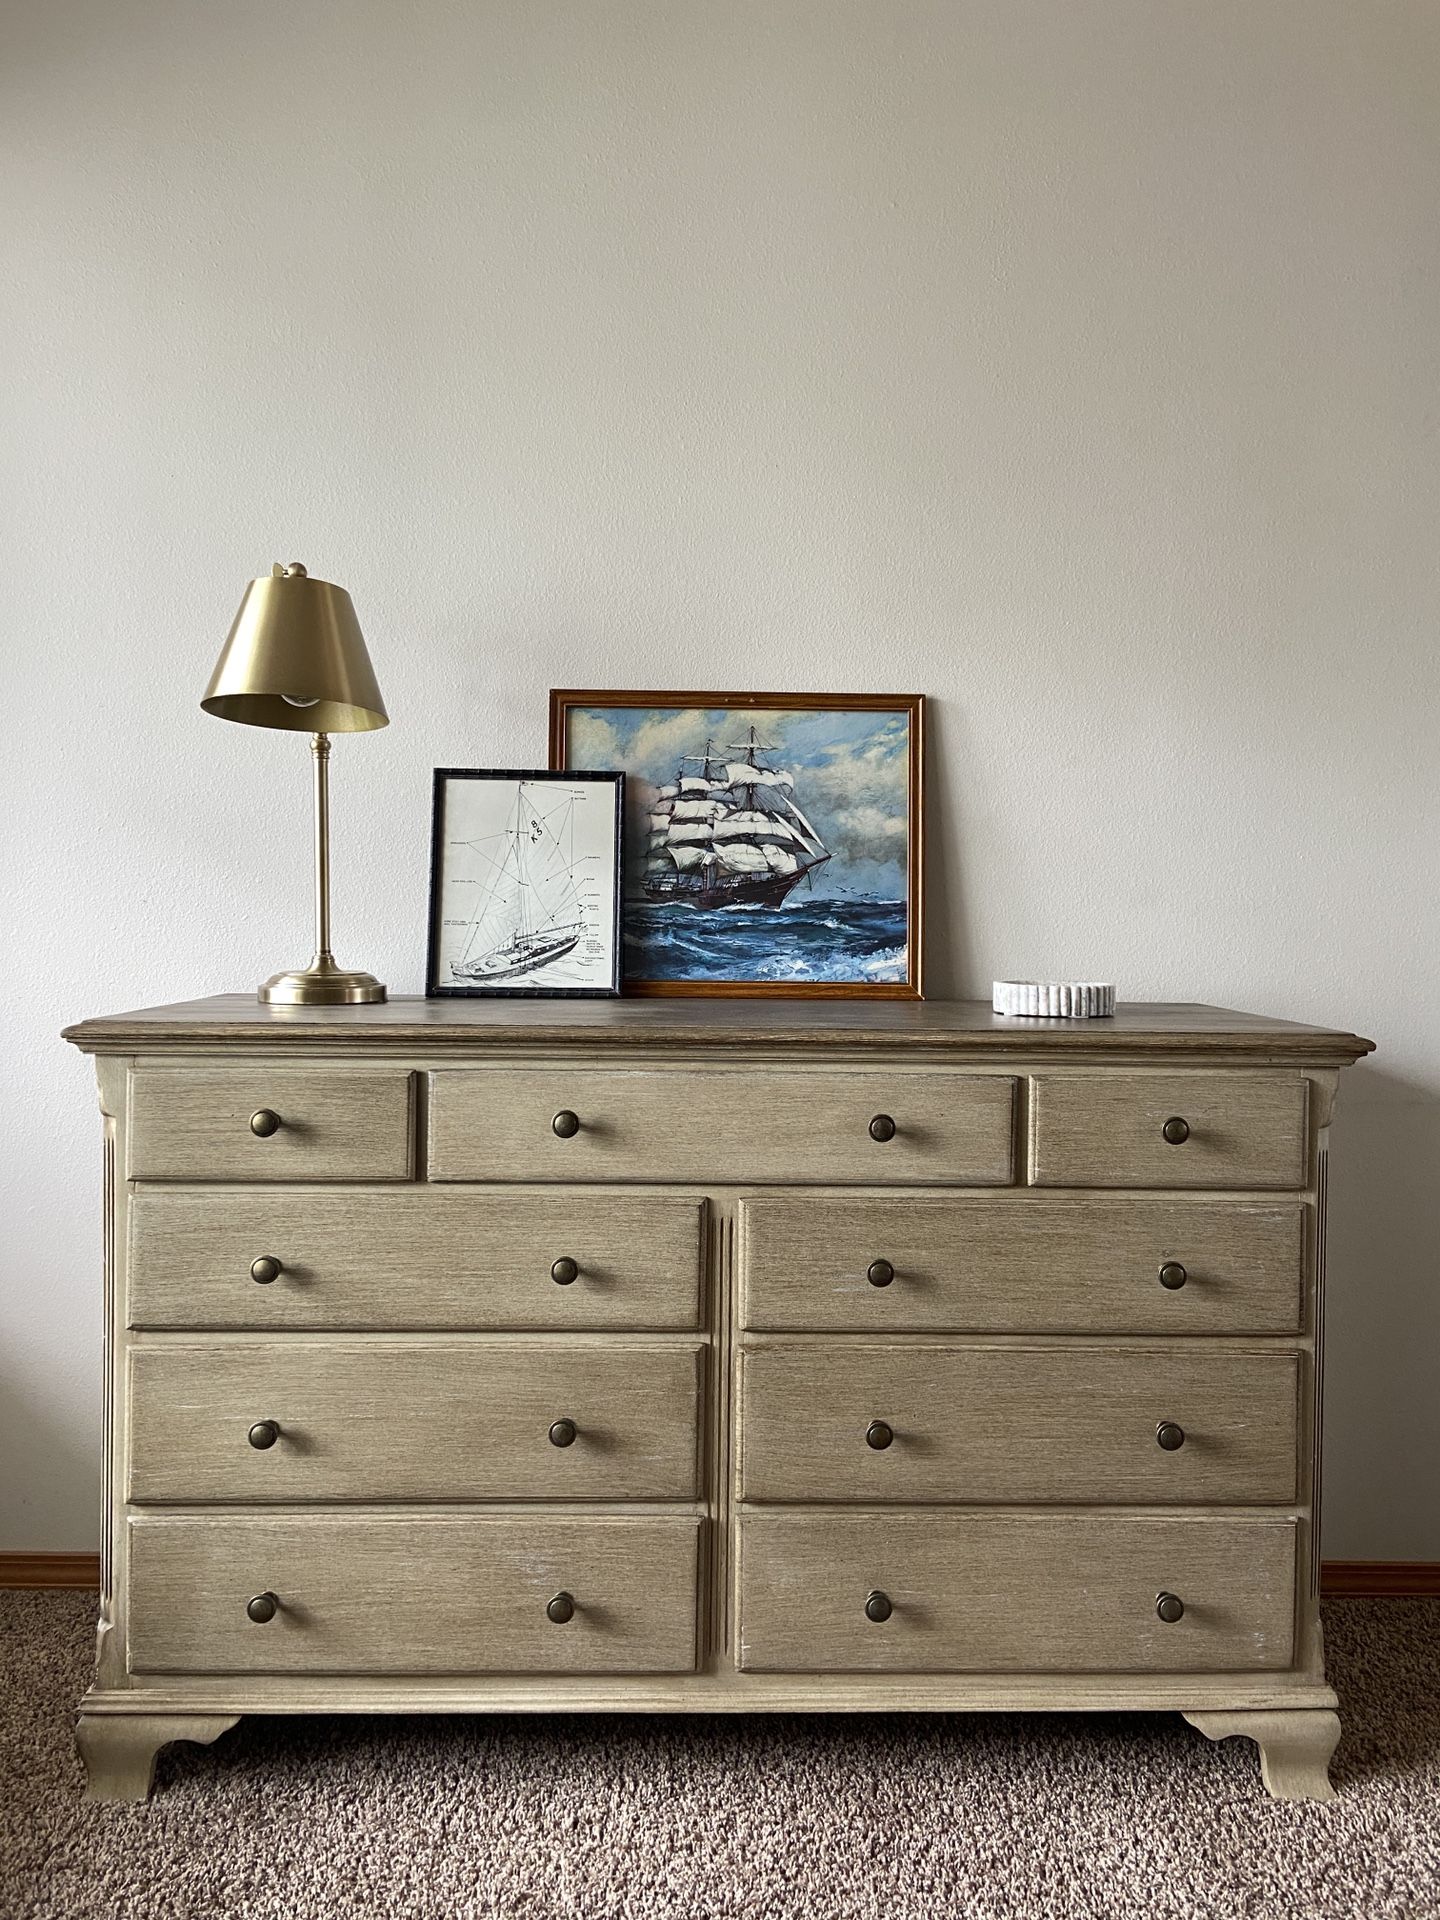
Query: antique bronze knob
x=264, y=1434
x=878, y=1435
x=1170, y=1437
x=562, y=1433
x=262, y=1608
x=882, y=1127
x=1176, y=1130
x=565, y=1125
x=264, y=1122
x=1173, y=1275
x=265, y=1269
x=877, y=1605
x=1170, y=1607
x=564, y=1272
x=880, y=1273
x=560, y=1608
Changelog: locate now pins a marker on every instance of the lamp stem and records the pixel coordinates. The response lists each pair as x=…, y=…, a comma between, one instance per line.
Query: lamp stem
x=320, y=748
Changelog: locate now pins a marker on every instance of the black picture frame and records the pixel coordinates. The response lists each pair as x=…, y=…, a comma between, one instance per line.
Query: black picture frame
x=500, y=985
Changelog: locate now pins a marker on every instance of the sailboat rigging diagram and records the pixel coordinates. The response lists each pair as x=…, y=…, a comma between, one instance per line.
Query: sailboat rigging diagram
x=528, y=894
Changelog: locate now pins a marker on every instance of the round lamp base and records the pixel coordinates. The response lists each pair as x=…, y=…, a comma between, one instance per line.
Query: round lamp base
x=322, y=986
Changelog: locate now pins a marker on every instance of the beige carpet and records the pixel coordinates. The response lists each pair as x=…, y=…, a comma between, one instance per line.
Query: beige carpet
x=811, y=1819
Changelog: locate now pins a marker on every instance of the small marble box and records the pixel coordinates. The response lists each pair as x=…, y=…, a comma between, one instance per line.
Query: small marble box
x=1054, y=999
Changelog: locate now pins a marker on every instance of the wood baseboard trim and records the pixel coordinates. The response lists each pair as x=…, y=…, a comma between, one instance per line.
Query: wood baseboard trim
x=1380, y=1578
x=32, y=1570
x=1373, y=1578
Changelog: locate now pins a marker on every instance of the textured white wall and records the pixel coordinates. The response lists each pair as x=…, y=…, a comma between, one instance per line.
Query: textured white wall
x=1076, y=365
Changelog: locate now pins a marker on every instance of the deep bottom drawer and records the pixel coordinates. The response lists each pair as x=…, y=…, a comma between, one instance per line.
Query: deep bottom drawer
x=413, y=1594
x=1013, y=1593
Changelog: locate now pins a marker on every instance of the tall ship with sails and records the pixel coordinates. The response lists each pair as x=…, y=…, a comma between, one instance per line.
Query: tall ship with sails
x=530, y=913
x=730, y=834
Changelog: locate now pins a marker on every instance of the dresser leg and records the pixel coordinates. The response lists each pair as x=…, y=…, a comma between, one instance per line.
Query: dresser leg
x=119, y=1749
x=1295, y=1746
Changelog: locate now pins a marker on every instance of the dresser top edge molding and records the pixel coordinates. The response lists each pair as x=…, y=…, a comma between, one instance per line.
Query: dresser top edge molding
x=1185, y=1030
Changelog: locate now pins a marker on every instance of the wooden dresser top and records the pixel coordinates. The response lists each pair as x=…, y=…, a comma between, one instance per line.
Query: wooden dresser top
x=237, y=1022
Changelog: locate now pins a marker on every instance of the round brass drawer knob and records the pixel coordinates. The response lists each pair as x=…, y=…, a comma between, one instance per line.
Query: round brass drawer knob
x=1176, y=1130
x=1170, y=1607
x=560, y=1608
x=1173, y=1276
x=877, y=1606
x=562, y=1433
x=265, y=1269
x=1170, y=1436
x=882, y=1127
x=879, y=1435
x=565, y=1125
x=263, y=1607
x=565, y=1272
x=263, y=1434
x=264, y=1122
x=880, y=1273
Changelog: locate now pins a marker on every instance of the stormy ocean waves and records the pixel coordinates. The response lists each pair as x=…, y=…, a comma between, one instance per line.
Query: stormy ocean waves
x=806, y=939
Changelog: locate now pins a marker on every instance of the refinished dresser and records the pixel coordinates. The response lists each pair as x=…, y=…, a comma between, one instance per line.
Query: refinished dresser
x=727, y=1356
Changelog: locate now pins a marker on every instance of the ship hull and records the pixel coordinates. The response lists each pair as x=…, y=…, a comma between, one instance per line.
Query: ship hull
x=735, y=890
x=502, y=966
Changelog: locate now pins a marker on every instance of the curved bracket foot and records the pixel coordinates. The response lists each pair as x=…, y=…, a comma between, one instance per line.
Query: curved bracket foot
x=1295, y=1746
x=120, y=1749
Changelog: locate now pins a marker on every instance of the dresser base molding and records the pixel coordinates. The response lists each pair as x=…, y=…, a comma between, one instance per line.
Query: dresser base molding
x=1295, y=1747
x=1295, y=1727
x=120, y=1750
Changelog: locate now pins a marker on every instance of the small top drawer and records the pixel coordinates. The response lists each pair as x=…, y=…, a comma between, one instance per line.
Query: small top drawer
x=725, y=1125
x=270, y=1123
x=1168, y=1130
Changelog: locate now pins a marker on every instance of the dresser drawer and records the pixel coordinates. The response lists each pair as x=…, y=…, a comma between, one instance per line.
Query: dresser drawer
x=1001, y=1424
x=200, y=1124
x=412, y=1594
x=1230, y=1130
x=1014, y=1593
x=414, y=1420
x=1019, y=1263
x=721, y=1125
x=417, y=1256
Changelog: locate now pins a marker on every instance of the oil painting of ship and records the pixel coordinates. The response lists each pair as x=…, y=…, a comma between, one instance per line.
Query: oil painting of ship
x=771, y=843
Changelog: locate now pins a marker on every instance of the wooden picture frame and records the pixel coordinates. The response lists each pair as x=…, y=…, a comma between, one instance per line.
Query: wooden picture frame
x=532, y=909
x=876, y=948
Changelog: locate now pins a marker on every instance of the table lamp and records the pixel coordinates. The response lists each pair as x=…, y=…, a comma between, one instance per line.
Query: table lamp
x=296, y=659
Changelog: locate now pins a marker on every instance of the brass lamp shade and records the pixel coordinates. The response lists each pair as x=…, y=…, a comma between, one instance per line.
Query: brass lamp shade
x=296, y=658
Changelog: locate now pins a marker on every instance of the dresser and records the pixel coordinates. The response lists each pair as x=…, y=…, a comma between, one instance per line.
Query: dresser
x=721, y=1356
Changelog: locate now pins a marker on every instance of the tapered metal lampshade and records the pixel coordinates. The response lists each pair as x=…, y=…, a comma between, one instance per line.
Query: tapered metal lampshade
x=296, y=659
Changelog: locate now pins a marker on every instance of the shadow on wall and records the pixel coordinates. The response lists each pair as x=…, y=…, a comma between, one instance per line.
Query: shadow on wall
x=45, y=1461
x=1382, y=1332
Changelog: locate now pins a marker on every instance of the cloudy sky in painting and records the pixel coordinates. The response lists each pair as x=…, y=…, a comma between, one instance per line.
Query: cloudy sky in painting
x=851, y=776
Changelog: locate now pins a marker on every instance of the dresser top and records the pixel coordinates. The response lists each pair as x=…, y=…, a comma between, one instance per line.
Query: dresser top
x=236, y=1021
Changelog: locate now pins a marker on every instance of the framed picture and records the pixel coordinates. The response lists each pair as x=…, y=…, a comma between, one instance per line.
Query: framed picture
x=772, y=840
x=524, y=883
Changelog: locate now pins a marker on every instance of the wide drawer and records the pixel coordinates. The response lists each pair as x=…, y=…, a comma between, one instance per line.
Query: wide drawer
x=1110, y=1130
x=418, y=1257
x=201, y=1124
x=414, y=1420
x=1001, y=1424
x=412, y=1594
x=721, y=1125
x=1014, y=1593
x=1020, y=1264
